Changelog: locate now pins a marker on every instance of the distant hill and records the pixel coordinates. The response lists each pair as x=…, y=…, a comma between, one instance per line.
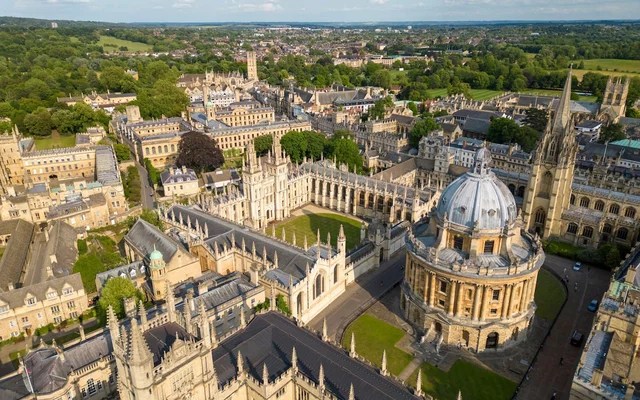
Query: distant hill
x=46, y=23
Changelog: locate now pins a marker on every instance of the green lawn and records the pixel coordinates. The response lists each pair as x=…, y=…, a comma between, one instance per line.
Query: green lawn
x=612, y=64
x=556, y=93
x=476, y=94
x=475, y=382
x=309, y=224
x=374, y=335
x=111, y=44
x=549, y=295
x=52, y=143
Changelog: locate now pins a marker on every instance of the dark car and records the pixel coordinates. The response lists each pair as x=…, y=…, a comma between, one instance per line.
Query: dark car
x=577, y=338
x=593, y=305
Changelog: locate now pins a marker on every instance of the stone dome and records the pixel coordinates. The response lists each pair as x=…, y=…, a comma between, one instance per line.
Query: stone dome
x=478, y=198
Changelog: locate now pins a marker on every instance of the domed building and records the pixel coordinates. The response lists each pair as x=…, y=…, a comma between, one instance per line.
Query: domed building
x=471, y=268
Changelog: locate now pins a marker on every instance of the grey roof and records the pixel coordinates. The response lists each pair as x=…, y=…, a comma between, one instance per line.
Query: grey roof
x=62, y=244
x=130, y=271
x=13, y=388
x=161, y=338
x=15, y=255
x=477, y=114
x=291, y=260
x=270, y=338
x=627, y=121
x=177, y=175
x=107, y=171
x=16, y=297
x=224, y=175
x=234, y=286
x=144, y=237
x=7, y=227
x=477, y=125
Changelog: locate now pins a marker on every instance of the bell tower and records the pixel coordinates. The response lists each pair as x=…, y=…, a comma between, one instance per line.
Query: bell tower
x=252, y=66
x=549, y=189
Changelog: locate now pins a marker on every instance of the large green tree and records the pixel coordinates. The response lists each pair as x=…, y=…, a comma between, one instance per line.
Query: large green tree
x=612, y=133
x=536, y=118
x=113, y=294
x=39, y=123
x=422, y=128
x=199, y=152
x=345, y=150
x=263, y=144
x=505, y=130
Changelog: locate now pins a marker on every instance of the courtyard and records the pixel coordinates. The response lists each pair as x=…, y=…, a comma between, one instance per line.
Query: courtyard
x=308, y=220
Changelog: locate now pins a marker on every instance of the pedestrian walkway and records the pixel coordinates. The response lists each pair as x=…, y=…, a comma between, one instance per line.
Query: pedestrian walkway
x=410, y=369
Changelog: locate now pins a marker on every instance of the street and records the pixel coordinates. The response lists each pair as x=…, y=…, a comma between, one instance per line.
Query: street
x=548, y=376
x=146, y=189
x=360, y=295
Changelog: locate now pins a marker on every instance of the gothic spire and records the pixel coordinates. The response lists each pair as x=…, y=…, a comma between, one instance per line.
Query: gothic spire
x=265, y=374
x=325, y=337
x=562, y=115
x=352, y=351
x=383, y=368
x=138, y=350
x=352, y=394
x=321, y=378
x=294, y=359
x=419, y=384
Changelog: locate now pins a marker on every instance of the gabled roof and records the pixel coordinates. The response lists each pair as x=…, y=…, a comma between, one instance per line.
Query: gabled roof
x=144, y=237
x=15, y=255
x=270, y=338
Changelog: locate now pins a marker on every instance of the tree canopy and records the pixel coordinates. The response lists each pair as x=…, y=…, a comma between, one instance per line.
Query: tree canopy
x=612, y=133
x=299, y=145
x=263, y=144
x=113, y=294
x=422, y=128
x=536, y=119
x=199, y=152
x=506, y=131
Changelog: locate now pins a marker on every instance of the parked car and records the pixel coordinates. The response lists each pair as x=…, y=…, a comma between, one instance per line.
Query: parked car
x=577, y=266
x=576, y=338
x=593, y=305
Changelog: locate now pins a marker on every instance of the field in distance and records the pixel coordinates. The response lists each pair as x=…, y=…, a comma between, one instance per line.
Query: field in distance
x=111, y=44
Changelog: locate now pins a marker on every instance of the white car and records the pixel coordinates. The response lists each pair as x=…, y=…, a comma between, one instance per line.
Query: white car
x=577, y=266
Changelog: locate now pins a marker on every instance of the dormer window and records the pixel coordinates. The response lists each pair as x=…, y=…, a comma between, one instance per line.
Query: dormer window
x=67, y=291
x=30, y=301
x=52, y=295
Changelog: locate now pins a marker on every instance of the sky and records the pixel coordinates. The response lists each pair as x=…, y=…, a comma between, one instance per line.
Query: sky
x=320, y=10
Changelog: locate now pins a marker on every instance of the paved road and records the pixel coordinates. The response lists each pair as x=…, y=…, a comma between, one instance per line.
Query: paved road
x=548, y=376
x=147, y=191
x=360, y=295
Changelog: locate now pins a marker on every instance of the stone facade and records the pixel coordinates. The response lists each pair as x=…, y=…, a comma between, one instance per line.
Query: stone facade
x=471, y=268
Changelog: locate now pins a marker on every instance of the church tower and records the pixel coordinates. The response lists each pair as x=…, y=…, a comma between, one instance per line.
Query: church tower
x=614, y=100
x=278, y=167
x=157, y=269
x=11, y=165
x=252, y=66
x=549, y=190
x=252, y=177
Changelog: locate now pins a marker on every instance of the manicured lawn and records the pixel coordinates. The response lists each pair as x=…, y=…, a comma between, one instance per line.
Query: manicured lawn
x=111, y=44
x=52, y=143
x=327, y=222
x=556, y=93
x=476, y=94
x=549, y=295
x=475, y=382
x=372, y=337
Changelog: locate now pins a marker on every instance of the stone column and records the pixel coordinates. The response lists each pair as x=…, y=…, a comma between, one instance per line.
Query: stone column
x=452, y=297
x=511, y=295
x=523, y=296
x=347, y=203
x=426, y=287
x=532, y=291
x=505, y=301
x=477, y=302
x=460, y=299
x=432, y=290
x=483, y=307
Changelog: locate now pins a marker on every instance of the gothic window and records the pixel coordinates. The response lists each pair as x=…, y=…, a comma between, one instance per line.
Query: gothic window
x=606, y=229
x=572, y=228
x=584, y=202
x=573, y=200
x=545, y=186
x=587, y=231
x=495, y=295
x=614, y=209
x=622, y=233
x=91, y=387
x=335, y=274
x=599, y=206
x=318, y=287
x=488, y=246
x=458, y=241
x=540, y=216
x=630, y=212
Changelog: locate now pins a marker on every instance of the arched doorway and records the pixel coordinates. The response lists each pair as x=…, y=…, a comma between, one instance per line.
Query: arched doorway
x=465, y=338
x=492, y=340
x=438, y=327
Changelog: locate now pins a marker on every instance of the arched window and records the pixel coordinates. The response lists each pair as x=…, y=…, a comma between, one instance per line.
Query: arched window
x=318, y=287
x=545, y=187
x=614, y=209
x=573, y=200
x=606, y=229
x=587, y=231
x=91, y=387
x=458, y=241
x=584, y=202
x=335, y=274
x=622, y=233
x=572, y=228
x=599, y=206
x=540, y=216
x=630, y=212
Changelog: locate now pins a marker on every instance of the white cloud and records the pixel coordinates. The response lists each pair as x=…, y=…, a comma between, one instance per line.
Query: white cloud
x=67, y=1
x=378, y=2
x=268, y=6
x=183, y=3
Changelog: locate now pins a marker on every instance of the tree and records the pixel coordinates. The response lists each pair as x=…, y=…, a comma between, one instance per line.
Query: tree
x=345, y=150
x=113, y=294
x=505, y=130
x=152, y=172
x=295, y=145
x=263, y=144
x=379, y=108
x=152, y=217
x=38, y=123
x=459, y=88
x=199, y=152
x=122, y=152
x=5, y=126
x=536, y=118
x=612, y=133
x=422, y=128
x=413, y=107
x=131, y=185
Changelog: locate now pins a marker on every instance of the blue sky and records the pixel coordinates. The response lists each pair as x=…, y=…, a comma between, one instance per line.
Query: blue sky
x=320, y=10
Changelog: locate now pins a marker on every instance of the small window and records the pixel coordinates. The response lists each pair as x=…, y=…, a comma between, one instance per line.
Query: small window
x=458, y=242
x=495, y=295
x=443, y=287
x=488, y=246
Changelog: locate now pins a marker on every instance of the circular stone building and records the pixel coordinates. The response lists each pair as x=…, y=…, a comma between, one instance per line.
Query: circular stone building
x=471, y=269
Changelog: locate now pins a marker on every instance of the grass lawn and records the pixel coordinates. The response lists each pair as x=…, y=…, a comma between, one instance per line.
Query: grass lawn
x=372, y=336
x=111, y=44
x=556, y=93
x=103, y=255
x=475, y=382
x=549, y=295
x=52, y=143
x=309, y=224
x=612, y=64
x=476, y=94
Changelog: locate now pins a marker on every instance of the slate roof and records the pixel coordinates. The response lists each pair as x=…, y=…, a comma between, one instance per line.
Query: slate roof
x=143, y=237
x=7, y=227
x=269, y=339
x=16, y=297
x=161, y=338
x=230, y=287
x=62, y=240
x=225, y=175
x=15, y=255
x=477, y=125
x=178, y=176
